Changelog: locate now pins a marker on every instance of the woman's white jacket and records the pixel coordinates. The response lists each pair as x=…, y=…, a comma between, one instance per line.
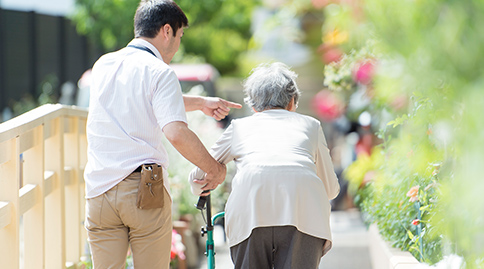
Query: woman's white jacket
x=284, y=174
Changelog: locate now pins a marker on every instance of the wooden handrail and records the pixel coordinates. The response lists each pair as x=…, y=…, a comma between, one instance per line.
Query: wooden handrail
x=42, y=156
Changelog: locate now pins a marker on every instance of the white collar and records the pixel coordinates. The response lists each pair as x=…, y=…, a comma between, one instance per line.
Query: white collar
x=144, y=43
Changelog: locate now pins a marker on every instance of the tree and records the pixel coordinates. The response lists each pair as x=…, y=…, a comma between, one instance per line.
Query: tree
x=107, y=23
x=219, y=30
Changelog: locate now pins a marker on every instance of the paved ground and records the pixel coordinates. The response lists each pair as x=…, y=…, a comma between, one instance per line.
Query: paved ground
x=222, y=257
x=350, y=244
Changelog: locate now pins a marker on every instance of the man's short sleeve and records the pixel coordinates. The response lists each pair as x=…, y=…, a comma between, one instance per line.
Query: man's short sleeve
x=167, y=102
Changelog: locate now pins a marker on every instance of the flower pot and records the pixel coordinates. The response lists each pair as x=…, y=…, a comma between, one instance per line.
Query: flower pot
x=384, y=256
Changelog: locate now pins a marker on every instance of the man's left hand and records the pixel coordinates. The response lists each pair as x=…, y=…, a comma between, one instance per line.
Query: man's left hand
x=218, y=108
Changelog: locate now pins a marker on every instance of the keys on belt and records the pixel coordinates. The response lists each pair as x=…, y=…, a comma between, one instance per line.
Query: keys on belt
x=138, y=170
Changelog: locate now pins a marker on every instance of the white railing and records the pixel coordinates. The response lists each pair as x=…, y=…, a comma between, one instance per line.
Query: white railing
x=42, y=156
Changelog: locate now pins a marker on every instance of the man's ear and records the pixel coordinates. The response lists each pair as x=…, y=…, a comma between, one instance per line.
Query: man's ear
x=166, y=30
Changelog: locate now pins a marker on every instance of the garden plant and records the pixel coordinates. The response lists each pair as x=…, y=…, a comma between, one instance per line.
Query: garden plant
x=419, y=65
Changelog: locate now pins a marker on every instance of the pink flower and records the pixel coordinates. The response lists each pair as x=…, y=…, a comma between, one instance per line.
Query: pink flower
x=399, y=102
x=413, y=193
x=415, y=222
x=177, y=247
x=320, y=3
x=364, y=73
x=329, y=53
x=327, y=105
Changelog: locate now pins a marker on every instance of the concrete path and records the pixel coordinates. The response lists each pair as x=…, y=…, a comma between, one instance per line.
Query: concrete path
x=350, y=244
x=222, y=252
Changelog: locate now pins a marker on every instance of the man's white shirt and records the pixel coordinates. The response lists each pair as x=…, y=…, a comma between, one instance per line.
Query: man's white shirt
x=133, y=96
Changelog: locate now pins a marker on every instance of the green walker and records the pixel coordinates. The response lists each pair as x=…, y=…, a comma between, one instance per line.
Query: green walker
x=204, y=203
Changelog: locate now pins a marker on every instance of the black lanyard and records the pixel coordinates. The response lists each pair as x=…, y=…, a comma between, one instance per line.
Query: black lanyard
x=142, y=48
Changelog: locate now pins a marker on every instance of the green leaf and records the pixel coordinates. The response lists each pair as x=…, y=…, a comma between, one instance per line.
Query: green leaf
x=410, y=235
x=423, y=208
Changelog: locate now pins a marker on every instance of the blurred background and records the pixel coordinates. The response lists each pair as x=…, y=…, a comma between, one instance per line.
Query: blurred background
x=397, y=85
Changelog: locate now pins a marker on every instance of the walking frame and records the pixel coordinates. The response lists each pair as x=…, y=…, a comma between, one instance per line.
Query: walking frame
x=204, y=203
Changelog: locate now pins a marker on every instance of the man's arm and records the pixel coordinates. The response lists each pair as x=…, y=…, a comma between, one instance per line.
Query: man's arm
x=214, y=107
x=189, y=145
x=221, y=151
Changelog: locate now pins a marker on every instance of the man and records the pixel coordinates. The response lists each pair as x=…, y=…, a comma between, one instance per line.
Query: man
x=135, y=97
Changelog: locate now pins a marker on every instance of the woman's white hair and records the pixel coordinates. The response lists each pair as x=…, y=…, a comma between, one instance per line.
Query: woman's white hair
x=271, y=85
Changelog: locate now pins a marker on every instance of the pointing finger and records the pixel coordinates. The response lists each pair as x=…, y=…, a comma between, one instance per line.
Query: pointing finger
x=229, y=104
x=232, y=104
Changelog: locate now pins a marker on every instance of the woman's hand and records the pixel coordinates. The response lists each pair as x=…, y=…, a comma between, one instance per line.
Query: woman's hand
x=203, y=182
x=212, y=179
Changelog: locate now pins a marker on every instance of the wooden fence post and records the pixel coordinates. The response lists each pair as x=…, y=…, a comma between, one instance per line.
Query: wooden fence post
x=9, y=203
x=73, y=202
x=55, y=201
x=31, y=197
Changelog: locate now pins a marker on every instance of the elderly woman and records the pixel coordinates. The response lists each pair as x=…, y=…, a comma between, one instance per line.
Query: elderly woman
x=277, y=214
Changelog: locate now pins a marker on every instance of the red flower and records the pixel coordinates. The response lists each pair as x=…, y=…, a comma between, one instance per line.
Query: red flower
x=415, y=222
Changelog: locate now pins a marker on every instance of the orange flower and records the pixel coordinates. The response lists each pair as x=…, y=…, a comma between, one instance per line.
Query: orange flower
x=413, y=193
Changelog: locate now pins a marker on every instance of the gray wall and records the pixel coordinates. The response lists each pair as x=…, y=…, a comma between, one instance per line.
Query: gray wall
x=34, y=46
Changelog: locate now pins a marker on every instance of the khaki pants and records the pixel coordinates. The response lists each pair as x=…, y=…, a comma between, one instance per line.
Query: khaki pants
x=113, y=222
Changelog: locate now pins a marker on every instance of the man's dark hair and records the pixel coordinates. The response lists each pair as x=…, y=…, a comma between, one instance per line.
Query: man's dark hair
x=151, y=15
